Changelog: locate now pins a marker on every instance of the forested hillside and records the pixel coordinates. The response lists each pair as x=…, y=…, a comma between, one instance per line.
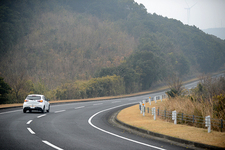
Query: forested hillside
x=70, y=49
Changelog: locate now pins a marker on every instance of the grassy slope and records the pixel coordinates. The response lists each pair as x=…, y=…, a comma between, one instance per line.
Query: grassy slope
x=132, y=116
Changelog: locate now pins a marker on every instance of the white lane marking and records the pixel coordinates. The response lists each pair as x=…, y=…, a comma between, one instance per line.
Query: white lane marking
x=41, y=116
x=141, y=143
x=116, y=101
x=53, y=146
x=10, y=112
x=29, y=121
x=31, y=131
x=60, y=111
x=98, y=104
x=79, y=107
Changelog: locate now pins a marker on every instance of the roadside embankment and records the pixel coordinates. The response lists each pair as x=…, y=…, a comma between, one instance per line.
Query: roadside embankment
x=156, y=89
x=4, y=106
x=133, y=117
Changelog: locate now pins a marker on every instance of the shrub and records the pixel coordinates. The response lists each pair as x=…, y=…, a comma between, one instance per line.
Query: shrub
x=95, y=87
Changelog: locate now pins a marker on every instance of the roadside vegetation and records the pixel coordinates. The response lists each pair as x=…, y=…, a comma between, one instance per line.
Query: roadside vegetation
x=132, y=116
x=4, y=91
x=208, y=98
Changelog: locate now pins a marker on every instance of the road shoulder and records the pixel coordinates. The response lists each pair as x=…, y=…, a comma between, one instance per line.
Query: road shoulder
x=133, y=125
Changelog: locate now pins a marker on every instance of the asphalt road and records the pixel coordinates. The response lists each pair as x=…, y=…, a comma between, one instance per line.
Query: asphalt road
x=81, y=125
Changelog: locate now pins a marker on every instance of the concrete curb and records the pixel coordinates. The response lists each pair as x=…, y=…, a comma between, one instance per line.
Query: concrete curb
x=182, y=141
x=11, y=107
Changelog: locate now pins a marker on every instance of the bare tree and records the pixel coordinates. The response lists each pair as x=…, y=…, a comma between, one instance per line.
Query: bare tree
x=15, y=74
x=175, y=85
x=18, y=84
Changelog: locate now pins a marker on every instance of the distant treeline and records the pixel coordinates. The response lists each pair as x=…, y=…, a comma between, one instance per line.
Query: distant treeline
x=50, y=44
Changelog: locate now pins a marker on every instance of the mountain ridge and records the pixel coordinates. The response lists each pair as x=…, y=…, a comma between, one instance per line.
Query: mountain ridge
x=53, y=46
x=218, y=32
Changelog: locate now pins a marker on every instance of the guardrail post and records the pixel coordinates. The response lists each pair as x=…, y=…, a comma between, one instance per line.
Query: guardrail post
x=144, y=110
x=221, y=125
x=149, y=100
x=165, y=113
x=174, y=116
x=193, y=118
x=161, y=97
x=153, y=112
x=208, y=123
x=182, y=117
x=143, y=107
x=155, y=99
x=140, y=107
x=143, y=101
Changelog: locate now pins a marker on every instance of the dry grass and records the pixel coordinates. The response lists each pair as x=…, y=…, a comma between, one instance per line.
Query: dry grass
x=187, y=106
x=133, y=117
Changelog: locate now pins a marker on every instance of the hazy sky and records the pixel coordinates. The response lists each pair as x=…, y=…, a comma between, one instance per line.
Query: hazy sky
x=204, y=14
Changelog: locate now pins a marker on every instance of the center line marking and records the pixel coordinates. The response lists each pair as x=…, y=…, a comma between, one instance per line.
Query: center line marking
x=79, y=107
x=53, y=146
x=60, y=111
x=98, y=104
x=41, y=116
x=29, y=121
x=29, y=129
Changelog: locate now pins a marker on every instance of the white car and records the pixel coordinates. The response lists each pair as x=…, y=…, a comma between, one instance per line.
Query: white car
x=36, y=102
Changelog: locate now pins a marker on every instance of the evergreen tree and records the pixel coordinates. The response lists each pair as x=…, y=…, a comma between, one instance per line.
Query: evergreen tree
x=4, y=90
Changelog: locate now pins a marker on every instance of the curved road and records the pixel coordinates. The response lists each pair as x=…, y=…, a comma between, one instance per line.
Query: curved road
x=81, y=125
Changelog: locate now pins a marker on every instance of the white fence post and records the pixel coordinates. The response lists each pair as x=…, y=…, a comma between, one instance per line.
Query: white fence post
x=149, y=100
x=174, y=116
x=143, y=101
x=161, y=97
x=153, y=112
x=155, y=99
x=143, y=107
x=208, y=123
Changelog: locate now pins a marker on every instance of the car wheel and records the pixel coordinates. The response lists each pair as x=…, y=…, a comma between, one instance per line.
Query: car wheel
x=43, y=110
x=30, y=111
x=48, y=109
x=24, y=110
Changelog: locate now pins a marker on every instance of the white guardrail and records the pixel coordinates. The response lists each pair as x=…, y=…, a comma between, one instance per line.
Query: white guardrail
x=142, y=107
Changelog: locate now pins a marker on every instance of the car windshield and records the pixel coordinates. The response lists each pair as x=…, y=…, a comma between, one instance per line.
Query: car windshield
x=33, y=97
